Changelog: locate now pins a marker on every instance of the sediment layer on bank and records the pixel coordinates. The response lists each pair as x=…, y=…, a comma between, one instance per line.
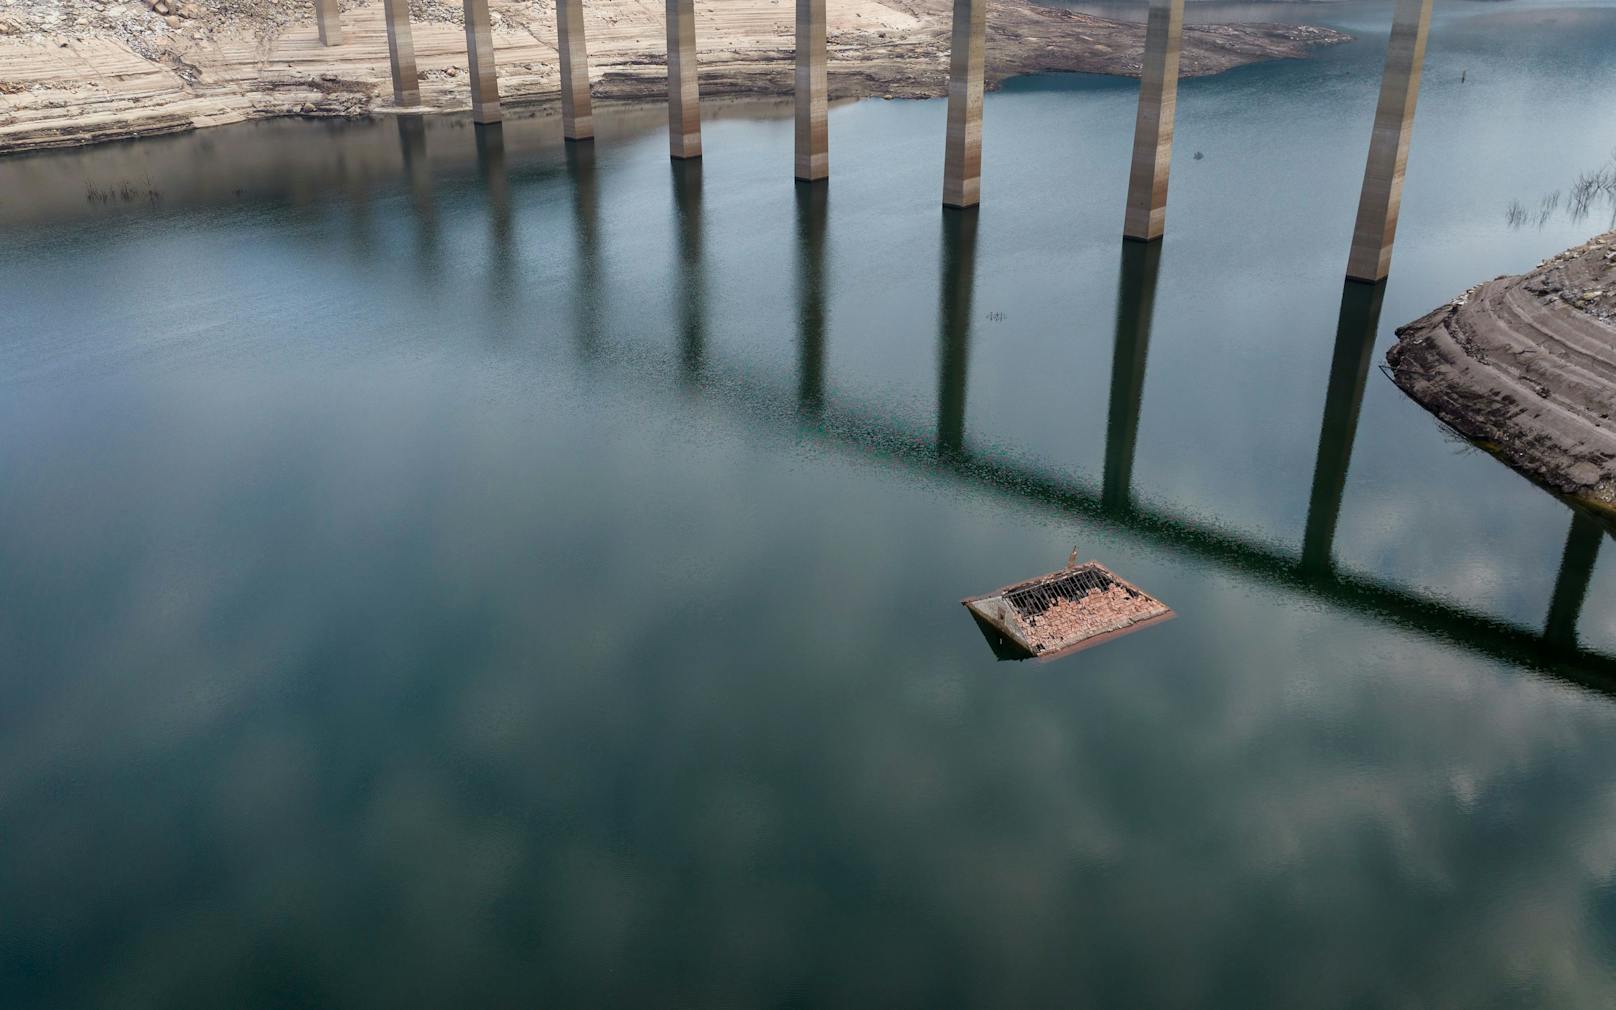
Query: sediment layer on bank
x=1526, y=365
x=79, y=71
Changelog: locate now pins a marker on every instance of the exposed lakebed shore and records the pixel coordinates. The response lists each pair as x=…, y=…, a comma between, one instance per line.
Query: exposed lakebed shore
x=1526, y=366
x=79, y=71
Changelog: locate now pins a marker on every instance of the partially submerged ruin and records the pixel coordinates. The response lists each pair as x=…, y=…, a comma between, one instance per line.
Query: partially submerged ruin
x=1063, y=612
x=1525, y=366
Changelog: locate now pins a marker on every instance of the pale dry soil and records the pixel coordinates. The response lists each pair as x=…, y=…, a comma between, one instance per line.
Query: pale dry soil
x=79, y=71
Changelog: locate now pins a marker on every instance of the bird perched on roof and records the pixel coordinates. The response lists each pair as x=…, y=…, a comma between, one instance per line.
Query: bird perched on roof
x=1071, y=562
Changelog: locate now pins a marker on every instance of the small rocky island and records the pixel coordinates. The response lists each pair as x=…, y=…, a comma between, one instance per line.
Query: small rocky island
x=1526, y=367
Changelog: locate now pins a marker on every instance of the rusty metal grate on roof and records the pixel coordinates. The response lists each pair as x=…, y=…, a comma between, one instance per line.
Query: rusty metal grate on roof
x=1032, y=599
x=1062, y=612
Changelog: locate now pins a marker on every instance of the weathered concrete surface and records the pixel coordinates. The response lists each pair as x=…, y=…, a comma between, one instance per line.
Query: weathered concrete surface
x=577, y=110
x=480, y=60
x=1382, y=195
x=962, y=162
x=1153, y=129
x=329, y=21
x=401, y=53
x=62, y=85
x=684, y=95
x=1526, y=366
x=812, y=93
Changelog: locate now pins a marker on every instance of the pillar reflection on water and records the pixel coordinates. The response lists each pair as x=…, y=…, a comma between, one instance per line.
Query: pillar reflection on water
x=1136, y=304
x=586, y=229
x=1343, y=398
x=812, y=206
x=687, y=202
x=491, y=170
x=1139, y=270
x=958, y=284
x=1576, y=571
x=418, y=173
x=361, y=220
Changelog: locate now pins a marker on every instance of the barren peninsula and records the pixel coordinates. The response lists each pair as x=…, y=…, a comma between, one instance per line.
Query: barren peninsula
x=1526, y=366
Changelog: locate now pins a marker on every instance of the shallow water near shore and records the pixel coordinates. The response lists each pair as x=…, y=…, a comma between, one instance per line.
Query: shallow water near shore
x=446, y=567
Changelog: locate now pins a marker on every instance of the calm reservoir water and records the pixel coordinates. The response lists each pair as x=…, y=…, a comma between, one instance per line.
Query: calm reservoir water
x=440, y=568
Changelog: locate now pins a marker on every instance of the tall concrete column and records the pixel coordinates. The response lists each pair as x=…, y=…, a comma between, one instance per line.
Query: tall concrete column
x=401, y=53
x=1382, y=196
x=962, y=162
x=1136, y=305
x=480, y=56
x=577, y=116
x=328, y=19
x=954, y=356
x=684, y=101
x=1343, y=399
x=813, y=138
x=1153, y=129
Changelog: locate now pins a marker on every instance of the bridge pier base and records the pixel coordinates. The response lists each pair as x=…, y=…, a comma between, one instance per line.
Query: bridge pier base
x=962, y=161
x=329, y=21
x=813, y=136
x=401, y=53
x=480, y=57
x=684, y=97
x=577, y=115
x=1382, y=196
x=1153, y=129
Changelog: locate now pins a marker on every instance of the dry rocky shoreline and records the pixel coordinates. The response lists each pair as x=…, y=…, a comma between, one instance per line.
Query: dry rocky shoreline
x=79, y=71
x=1526, y=367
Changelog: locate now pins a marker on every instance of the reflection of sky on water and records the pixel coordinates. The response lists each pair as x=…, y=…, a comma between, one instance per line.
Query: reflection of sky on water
x=508, y=631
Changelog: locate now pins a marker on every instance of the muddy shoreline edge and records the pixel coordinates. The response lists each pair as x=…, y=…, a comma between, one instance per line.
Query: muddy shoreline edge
x=83, y=71
x=1525, y=367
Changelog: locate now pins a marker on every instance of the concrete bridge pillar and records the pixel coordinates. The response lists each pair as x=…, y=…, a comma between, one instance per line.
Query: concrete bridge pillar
x=813, y=139
x=1382, y=195
x=577, y=117
x=684, y=100
x=480, y=56
x=962, y=162
x=329, y=21
x=1153, y=129
x=401, y=53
